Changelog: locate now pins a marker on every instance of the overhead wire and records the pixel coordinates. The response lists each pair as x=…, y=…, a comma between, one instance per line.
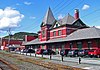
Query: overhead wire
x=62, y=9
x=42, y=17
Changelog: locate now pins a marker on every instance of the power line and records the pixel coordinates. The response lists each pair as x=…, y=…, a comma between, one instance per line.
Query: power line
x=42, y=17
x=60, y=6
x=58, y=11
x=91, y=13
x=77, y=5
x=61, y=9
x=64, y=6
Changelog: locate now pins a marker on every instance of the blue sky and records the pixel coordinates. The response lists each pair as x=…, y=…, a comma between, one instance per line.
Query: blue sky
x=27, y=15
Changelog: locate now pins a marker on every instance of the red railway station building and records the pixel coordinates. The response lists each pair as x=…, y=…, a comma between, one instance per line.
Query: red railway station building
x=66, y=33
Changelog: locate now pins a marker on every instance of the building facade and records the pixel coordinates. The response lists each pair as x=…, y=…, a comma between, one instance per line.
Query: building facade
x=66, y=33
x=12, y=43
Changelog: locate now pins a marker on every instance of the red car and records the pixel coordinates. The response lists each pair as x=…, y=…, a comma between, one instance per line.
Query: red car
x=39, y=51
x=94, y=53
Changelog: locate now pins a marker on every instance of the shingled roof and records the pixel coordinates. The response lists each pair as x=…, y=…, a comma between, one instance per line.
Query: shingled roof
x=86, y=33
x=80, y=34
x=67, y=20
x=48, y=18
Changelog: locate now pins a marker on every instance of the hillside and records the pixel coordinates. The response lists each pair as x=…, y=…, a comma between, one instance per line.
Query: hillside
x=20, y=35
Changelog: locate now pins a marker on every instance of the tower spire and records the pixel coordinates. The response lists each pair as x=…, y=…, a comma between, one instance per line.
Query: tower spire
x=48, y=18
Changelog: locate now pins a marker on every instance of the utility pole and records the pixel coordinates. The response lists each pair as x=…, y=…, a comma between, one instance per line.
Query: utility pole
x=9, y=34
x=0, y=42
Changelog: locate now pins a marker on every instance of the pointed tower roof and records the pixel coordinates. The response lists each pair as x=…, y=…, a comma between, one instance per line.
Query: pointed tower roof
x=48, y=18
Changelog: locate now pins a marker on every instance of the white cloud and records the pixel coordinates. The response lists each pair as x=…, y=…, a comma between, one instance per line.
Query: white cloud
x=85, y=7
x=9, y=17
x=60, y=16
x=32, y=17
x=97, y=26
x=27, y=3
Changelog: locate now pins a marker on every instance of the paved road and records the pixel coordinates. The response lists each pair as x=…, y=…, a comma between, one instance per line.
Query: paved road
x=86, y=63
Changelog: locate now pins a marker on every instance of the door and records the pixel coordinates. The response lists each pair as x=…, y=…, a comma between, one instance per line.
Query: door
x=79, y=45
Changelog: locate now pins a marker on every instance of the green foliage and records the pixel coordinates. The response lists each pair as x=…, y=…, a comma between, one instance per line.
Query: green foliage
x=20, y=35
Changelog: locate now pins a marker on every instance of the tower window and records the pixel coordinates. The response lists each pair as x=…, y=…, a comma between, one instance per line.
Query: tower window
x=43, y=33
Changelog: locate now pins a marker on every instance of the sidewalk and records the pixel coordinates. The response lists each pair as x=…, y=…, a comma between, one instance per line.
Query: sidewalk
x=86, y=63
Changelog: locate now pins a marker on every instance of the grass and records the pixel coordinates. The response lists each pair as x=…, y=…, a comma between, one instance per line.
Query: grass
x=16, y=61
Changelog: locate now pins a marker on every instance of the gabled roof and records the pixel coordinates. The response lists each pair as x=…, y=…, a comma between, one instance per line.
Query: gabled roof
x=67, y=20
x=86, y=33
x=48, y=18
x=80, y=34
x=79, y=22
x=35, y=41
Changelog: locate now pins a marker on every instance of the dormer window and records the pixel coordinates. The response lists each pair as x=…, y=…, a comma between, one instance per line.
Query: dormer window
x=56, y=25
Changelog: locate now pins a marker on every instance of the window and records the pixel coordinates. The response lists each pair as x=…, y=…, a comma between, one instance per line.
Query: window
x=59, y=32
x=56, y=25
x=43, y=33
x=89, y=44
x=68, y=31
x=54, y=33
x=71, y=45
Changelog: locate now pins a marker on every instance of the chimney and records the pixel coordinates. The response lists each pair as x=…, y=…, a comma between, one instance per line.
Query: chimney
x=76, y=14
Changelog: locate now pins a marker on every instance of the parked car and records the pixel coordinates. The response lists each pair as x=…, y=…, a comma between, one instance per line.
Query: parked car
x=73, y=53
x=28, y=51
x=83, y=52
x=64, y=52
x=94, y=53
x=24, y=51
x=39, y=51
x=31, y=51
x=48, y=52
